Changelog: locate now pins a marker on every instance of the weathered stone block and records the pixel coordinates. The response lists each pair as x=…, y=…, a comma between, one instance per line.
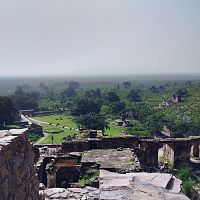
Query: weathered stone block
x=17, y=173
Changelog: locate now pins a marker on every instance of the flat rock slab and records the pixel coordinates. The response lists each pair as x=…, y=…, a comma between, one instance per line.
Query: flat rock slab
x=110, y=158
x=156, y=179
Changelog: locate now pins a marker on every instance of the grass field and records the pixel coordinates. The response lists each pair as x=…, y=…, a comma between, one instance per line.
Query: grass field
x=114, y=131
x=57, y=137
x=62, y=132
x=58, y=119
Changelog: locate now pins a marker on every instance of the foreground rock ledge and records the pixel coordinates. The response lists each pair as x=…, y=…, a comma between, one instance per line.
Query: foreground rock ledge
x=130, y=186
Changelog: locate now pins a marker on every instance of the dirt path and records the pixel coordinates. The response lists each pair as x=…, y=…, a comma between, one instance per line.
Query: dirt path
x=60, y=126
x=42, y=138
x=37, y=121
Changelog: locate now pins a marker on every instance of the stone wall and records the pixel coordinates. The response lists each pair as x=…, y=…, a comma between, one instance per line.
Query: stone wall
x=100, y=143
x=74, y=146
x=17, y=174
x=146, y=149
x=114, y=143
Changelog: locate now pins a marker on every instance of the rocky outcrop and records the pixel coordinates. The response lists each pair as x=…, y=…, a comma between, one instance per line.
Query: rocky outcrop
x=143, y=186
x=17, y=173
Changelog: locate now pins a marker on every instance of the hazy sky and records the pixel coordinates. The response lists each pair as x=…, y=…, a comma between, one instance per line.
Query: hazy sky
x=99, y=37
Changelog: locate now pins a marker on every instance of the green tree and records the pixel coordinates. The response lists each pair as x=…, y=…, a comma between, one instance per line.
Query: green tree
x=93, y=94
x=73, y=84
x=111, y=96
x=134, y=95
x=92, y=121
x=69, y=92
x=22, y=100
x=126, y=84
x=7, y=111
x=105, y=110
x=117, y=107
x=138, y=130
x=84, y=106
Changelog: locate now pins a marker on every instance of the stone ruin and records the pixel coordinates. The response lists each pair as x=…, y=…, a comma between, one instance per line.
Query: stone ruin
x=17, y=173
x=118, y=177
x=120, y=172
x=115, y=186
x=66, y=170
x=103, y=169
x=177, y=150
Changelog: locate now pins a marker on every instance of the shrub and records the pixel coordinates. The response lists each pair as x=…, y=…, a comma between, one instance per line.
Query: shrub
x=187, y=187
x=184, y=173
x=33, y=137
x=54, y=131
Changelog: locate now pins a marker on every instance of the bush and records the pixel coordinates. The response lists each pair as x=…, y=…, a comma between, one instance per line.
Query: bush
x=138, y=130
x=54, y=131
x=184, y=173
x=89, y=175
x=187, y=187
x=33, y=137
x=68, y=138
x=163, y=159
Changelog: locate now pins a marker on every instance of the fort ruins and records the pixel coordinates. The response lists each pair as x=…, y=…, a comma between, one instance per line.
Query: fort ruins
x=117, y=168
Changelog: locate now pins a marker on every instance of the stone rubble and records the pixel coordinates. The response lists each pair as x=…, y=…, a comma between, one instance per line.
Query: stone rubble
x=87, y=193
x=130, y=186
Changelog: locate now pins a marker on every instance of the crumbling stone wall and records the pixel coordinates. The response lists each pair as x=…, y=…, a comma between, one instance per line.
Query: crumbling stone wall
x=74, y=146
x=100, y=143
x=17, y=174
x=146, y=149
x=114, y=143
x=182, y=151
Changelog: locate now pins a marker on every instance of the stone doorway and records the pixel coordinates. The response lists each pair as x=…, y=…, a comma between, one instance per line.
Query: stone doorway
x=165, y=155
x=67, y=175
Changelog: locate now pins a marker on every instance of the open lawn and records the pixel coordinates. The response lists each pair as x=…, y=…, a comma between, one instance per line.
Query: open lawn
x=114, y=131
x=58, y=133
x=58, y=119
x=57, y=137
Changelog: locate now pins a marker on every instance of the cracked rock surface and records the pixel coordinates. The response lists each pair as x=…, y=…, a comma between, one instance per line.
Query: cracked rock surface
x=142, y=186
x=130, y=186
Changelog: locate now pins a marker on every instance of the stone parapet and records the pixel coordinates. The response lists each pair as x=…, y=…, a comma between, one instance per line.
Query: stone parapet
x=17, y=173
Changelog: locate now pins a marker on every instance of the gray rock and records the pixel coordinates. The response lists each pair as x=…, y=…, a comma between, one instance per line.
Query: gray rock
x=142, y=186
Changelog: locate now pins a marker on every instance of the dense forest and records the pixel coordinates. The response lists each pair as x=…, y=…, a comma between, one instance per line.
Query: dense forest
x=147, y=107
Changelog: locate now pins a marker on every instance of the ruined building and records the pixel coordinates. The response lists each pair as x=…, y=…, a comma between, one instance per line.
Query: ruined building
x=92, y=169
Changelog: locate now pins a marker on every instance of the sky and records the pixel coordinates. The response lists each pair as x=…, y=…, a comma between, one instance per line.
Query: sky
x=87, y=37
